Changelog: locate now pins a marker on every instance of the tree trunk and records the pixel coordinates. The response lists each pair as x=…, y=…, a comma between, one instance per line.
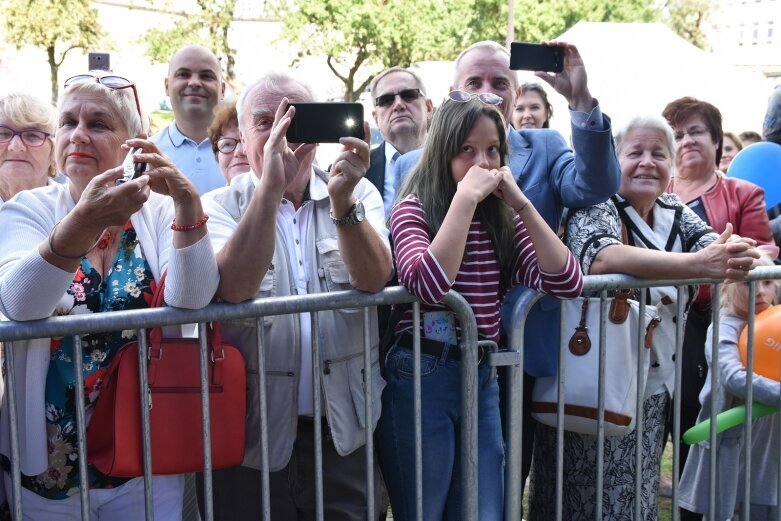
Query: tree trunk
x=53, y=69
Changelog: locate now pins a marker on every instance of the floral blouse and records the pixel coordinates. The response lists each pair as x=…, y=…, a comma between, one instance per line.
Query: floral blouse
x=129, y=284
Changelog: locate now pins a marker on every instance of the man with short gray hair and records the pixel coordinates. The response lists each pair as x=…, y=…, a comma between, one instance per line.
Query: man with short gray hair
x=287, y=228
x=402, y=112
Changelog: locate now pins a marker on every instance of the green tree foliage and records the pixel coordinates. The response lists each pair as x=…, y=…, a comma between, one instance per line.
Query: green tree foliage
x=688, y=18
x=362, y=37
x=56, y=26
x=207, y=25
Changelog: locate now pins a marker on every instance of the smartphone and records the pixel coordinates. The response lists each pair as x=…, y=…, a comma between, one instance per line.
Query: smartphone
x=131, y=169
x=536, y=57
x=99, y=61
x=325, y=122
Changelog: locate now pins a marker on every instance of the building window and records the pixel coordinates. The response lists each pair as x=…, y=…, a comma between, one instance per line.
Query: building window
x=755, y=33
x=770, y=32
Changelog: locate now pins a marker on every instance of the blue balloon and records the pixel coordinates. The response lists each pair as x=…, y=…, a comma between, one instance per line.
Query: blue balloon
x=760, y=163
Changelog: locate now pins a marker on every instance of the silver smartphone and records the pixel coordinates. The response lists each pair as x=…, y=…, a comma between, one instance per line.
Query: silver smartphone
x=131, y=169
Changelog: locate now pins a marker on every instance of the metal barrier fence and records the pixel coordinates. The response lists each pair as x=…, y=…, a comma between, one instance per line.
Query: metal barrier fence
x=141, y=319
x=601, y=284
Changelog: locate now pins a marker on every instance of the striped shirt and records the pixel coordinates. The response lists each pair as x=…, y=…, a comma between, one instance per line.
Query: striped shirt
x=479, y=278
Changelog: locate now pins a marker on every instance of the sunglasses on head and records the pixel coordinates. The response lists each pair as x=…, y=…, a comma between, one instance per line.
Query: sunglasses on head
x=460, y=96
x=110, y=81
x=406, y=95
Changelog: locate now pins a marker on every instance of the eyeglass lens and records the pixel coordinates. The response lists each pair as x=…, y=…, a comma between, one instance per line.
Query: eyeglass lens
x=406, y=95
x=112, y=82
x=489, y=98
x=30, y=137
x=693, y=132
x=226, y=145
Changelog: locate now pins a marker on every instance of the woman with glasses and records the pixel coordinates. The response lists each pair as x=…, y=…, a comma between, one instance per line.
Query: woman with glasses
x=532, y=108
x=460, y=223
x=226, y=141
x=26, y=144
x=95, y=244
x=717, y=200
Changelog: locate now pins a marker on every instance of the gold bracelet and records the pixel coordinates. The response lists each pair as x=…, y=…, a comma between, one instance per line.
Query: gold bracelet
x=50, y=247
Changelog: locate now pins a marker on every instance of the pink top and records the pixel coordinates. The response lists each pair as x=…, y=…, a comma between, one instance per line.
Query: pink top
x=478, y=279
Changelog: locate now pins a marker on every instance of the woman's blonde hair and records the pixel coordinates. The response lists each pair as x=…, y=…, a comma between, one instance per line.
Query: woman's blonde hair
x=121, y=100
x=28, y=112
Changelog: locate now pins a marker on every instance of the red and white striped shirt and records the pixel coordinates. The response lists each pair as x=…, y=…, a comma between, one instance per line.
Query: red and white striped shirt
x=478, y=279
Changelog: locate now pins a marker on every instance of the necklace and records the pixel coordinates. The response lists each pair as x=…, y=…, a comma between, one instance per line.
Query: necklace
x=104, y=241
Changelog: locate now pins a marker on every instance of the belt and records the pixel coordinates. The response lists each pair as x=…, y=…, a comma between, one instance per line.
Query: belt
x=434, y=348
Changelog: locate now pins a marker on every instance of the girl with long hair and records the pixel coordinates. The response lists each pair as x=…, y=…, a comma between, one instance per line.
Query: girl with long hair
x=461, y=222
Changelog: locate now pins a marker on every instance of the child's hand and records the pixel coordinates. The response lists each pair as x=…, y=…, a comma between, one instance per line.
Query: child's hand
x=509, y=191
x=479, y=182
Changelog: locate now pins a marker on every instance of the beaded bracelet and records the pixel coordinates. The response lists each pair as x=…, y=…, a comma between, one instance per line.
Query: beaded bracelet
x=186, y=228
x=50, y=246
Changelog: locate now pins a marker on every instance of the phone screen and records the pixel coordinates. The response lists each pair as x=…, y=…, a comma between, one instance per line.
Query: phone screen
x=325, y=122
x=536, y=57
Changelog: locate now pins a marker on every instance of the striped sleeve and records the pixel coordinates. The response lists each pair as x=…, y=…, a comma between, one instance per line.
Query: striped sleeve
x=418, y=270
x=568, y=283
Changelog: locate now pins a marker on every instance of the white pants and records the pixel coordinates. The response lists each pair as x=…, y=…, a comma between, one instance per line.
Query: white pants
x=124, y=503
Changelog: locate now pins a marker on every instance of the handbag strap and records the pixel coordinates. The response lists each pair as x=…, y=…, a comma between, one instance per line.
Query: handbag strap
x=214, y=342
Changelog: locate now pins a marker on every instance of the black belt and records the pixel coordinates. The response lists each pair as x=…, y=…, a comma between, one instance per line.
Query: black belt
x=435, y=348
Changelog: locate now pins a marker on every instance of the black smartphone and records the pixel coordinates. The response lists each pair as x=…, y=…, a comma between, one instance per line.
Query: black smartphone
x=99, y=61
x=536, y=57
x=130, y=168
x=325, y=122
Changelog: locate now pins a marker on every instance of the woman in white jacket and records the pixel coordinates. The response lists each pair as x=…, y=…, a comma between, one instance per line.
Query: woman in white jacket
x=90, y=246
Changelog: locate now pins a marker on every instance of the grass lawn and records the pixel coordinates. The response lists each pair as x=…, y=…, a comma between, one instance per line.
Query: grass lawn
x=159, y=119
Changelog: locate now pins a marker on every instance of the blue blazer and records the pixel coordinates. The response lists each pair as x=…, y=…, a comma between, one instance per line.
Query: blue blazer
x=553, y=178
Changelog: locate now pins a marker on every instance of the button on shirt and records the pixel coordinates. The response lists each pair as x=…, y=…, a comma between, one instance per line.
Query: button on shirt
x=195, y=160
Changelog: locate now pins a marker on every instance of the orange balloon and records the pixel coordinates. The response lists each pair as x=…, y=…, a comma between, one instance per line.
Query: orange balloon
x=767, y=343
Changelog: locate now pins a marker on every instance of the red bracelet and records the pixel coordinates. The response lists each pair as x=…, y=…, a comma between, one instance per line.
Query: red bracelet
x=186, y=228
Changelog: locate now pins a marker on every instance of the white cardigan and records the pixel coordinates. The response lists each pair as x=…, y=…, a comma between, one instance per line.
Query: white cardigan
x=31, y=288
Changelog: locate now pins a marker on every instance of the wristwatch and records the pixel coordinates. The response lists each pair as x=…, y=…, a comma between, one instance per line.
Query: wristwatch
x=357, y=215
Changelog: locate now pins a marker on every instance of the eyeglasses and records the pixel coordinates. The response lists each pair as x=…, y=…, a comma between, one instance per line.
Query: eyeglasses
x=30, y=136
x=226, y=145
x=460, y=96
x=406, y=95
x=693, y=132
x=112, y=82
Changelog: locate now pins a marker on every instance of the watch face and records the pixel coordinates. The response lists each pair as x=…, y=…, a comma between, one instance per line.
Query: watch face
x=360, y=212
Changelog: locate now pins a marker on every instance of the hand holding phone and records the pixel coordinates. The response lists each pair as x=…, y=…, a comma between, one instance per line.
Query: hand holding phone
x=536, y=57
x=130, y=168
x=325, y=122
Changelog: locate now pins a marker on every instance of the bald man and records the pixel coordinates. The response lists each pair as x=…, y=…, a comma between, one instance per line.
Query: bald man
x=194, y=85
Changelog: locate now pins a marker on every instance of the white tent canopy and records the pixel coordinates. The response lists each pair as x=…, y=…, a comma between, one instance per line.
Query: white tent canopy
x=637, y=68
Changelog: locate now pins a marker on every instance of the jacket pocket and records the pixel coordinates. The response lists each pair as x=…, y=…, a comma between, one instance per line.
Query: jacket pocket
x=357, y=382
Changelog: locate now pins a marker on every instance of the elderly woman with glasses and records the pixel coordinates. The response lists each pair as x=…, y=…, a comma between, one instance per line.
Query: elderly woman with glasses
x=26, y=144
x=717, y=200
x=96, y=244
x=226, y=141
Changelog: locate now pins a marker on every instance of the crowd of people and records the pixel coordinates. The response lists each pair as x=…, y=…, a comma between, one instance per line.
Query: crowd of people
x=470, y=197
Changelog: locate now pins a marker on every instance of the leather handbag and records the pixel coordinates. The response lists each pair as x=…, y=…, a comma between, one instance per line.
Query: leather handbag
x=581, y=377
x=114, y=434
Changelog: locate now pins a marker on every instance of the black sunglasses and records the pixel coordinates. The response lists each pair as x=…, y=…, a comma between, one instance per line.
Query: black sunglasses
x=406, y=95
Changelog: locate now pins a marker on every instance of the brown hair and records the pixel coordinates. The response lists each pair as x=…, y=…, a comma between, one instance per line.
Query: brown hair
x=684, y=108
x=536, y=87
x=224, y=115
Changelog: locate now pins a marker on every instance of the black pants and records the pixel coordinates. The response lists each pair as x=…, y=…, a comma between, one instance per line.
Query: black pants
x=237, y=491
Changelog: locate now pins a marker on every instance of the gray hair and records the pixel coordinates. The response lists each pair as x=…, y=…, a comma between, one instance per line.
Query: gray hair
x=121, y=100
x=415, y=76
x=484, y=45
x=652, y=122
x=275, y=84
x=27, y=111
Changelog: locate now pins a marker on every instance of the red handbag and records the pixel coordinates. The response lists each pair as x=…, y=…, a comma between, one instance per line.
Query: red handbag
x=114, y=435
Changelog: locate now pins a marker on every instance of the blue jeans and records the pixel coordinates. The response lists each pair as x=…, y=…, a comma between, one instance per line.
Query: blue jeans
x=440, y=425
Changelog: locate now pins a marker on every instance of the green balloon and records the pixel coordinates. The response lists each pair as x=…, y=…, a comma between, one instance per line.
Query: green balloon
x=726, y=420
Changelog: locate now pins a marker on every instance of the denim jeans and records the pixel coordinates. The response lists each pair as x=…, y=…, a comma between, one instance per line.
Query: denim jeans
x=440, y=425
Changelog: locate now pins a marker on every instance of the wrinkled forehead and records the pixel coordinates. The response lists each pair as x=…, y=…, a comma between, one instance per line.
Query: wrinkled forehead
x=264, y=102
x=394, y=82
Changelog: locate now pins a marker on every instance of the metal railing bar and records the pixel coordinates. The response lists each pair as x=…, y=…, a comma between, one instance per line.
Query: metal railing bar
x=317, y=415
x=752, y=295
x=600, y=455
x=146, y=433
x=10, y=391
x=368, y=412
x=265, y=481
x=203, y=344
x=81, y=427
x=417, y=411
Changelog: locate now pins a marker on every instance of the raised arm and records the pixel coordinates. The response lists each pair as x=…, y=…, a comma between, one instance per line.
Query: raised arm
x=364, y=250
